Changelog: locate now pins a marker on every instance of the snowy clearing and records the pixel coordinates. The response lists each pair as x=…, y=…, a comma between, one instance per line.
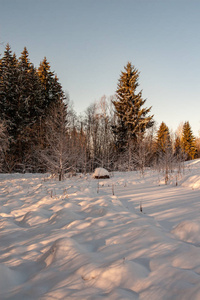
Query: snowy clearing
x=76, y=240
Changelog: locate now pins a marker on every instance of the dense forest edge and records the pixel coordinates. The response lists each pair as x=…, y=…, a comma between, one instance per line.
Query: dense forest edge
x=41, y=132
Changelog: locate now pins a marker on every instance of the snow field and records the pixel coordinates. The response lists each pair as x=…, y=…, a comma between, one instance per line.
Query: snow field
x=76, y=240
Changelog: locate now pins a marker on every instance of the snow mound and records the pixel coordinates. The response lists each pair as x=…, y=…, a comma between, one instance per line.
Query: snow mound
x=62, y=250
x=101, y=173
x=68, y=240
x=9, y=278
x=191, y=177
x=32, y=218
x=95, y=211
x=192, y=181
x=188, y=231
x=121, y=273
x=64, y=217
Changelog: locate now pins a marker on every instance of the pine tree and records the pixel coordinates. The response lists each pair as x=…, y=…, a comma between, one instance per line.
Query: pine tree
x=52, y=93
x=26, y=99
x=30, y=102
x=163, y=138
x=52, y=90
x=165, y=157
x=132, y=117
x=9, y=89
x=30, y=96
x=9, y=75
x=177, y=146
x=188, y=141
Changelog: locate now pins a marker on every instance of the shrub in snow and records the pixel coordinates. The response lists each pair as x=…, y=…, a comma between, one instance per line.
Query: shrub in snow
x=101, y=173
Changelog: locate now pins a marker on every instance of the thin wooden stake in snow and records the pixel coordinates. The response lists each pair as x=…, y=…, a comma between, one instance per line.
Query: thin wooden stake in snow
x=113, y=191
x=140, y=206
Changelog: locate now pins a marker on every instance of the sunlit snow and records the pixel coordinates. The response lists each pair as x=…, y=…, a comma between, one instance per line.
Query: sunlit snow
x=87, y=239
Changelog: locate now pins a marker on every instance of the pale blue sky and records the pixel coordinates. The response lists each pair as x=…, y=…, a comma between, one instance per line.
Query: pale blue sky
x=88, y=42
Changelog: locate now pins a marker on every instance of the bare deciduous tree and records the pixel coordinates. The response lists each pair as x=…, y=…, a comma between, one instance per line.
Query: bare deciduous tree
x=56, y=156
x=98, y=132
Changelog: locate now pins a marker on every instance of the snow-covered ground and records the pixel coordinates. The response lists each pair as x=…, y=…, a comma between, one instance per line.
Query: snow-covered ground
x=76, y=240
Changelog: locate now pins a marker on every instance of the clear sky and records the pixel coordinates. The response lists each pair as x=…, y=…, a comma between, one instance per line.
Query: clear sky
x=88, y=43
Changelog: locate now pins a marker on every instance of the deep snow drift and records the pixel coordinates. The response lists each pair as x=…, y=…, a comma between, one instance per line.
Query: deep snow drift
x=76, y=240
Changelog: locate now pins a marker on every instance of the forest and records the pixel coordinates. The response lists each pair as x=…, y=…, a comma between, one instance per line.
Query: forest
x=41, y=132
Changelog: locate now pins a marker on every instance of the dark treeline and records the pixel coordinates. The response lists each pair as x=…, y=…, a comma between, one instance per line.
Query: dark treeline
x=40, y=131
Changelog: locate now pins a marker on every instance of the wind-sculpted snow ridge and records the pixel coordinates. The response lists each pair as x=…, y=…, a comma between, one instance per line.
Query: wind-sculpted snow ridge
x=87, y=239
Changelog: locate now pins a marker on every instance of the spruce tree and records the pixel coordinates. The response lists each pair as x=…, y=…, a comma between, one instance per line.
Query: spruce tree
x=177, y=147
x=30, y=102
x=52, y=93
x=52, y=90
x=165, y=158
x=163, y=141
x=9, y=74
x=132, y=117
x=26, y=99
x=188, y=141
x=30, y=95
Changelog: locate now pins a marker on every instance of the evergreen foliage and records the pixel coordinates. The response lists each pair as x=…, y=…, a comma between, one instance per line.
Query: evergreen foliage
x=30, y=97
x=132, y=117
x=9, y=89
x=26, y=97
x=188, y=141
x=29, y=106
x=52, y=90
x=4, y=143
x=39, y=130
x=163, y=141
x=177, y=147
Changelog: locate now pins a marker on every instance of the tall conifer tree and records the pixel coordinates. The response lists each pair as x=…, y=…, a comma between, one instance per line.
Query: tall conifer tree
x=177, y=146
x=26, y=99
x=30, y=102
x=52, y=90
x=52, y=93
x=188, y=141
x=9, y=75
x=132, y=117
x=163, y=138
x=30, y=95
x=9, y=90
